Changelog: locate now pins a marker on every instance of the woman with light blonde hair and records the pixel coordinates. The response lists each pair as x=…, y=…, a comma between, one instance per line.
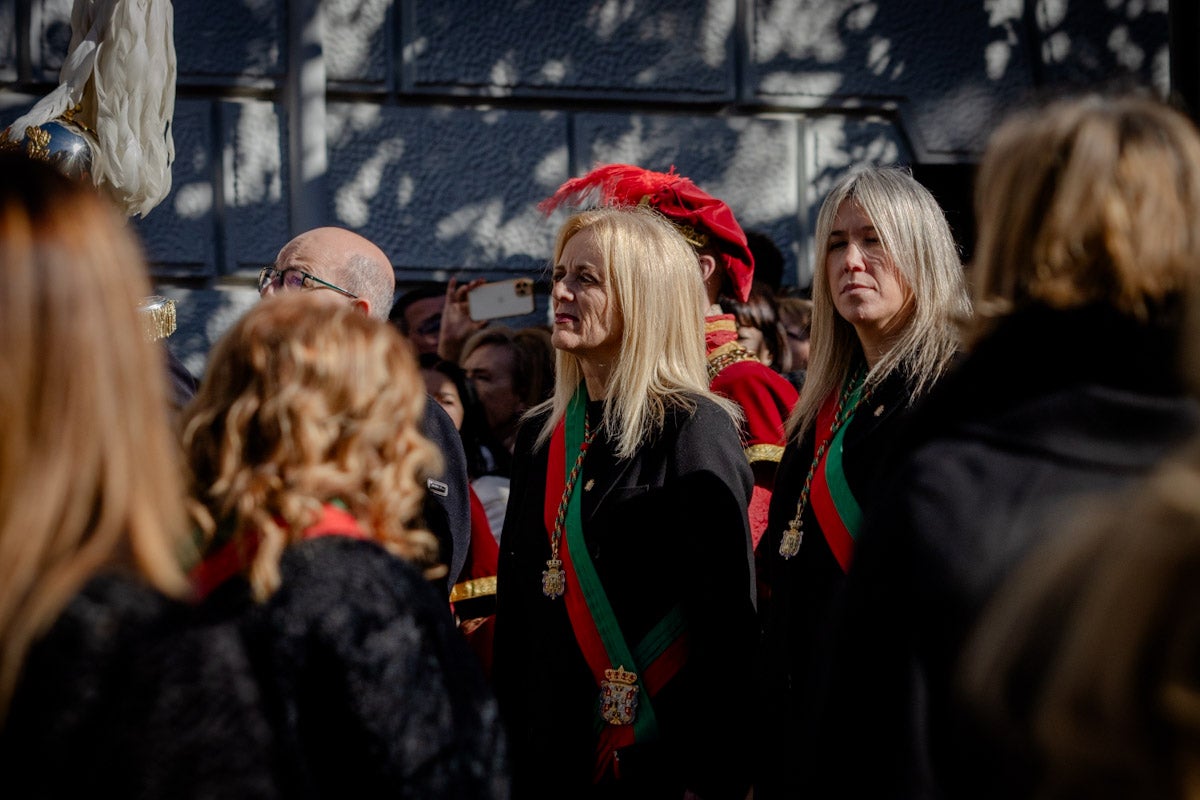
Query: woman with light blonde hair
x=1088, y=214
x=625, y=578
x=307, y=469
x=920, y=337
x=887, y=295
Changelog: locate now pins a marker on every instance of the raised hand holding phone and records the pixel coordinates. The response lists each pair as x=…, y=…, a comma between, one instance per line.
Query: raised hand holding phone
x=510, y=298
x=457, y=325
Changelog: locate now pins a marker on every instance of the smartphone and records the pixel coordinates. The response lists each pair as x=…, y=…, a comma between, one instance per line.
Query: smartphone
x=511, y=298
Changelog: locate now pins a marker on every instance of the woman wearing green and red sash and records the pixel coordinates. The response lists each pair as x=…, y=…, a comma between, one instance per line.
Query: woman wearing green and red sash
x=625, y=624
x=307, y=465
x=887, y=293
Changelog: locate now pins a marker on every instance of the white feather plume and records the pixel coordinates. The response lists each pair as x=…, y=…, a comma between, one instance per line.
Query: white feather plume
x=120, y=72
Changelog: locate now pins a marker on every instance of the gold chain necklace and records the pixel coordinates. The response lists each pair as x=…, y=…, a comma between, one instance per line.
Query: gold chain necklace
x=789, y=545
x=554, y=580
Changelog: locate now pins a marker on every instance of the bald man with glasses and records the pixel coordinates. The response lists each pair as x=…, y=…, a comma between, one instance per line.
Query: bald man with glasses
x=349, y=266
x=340, y=265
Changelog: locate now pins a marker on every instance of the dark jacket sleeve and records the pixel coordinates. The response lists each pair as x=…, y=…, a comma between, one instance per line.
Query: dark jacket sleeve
x=447, y=508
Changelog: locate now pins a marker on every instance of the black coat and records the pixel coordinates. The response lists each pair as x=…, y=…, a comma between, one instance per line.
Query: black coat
x=666, y=527
x=803, y=590
x=349, y=681
x=125, y=697
x=1051, y=413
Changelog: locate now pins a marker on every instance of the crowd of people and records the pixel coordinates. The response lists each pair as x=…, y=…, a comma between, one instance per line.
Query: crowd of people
x=923, y=530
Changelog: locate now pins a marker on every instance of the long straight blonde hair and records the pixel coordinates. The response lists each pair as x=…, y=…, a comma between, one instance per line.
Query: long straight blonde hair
x=659, y=294
x=914, y=232
x=89, y=473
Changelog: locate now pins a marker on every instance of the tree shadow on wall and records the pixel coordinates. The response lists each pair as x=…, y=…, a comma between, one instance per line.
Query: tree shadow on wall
x=676, y=46
x=446, y=189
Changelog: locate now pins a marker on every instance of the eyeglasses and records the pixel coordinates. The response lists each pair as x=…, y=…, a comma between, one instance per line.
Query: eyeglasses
x=292, y=278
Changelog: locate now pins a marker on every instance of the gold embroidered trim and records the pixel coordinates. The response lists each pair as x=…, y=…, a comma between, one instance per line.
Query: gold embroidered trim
x=480, y=587
x=723, y=356
x=764, y=452
x=714, y=325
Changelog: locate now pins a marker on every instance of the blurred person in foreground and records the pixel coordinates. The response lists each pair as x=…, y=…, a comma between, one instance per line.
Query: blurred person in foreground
x=98, y=664
x=307, y=468
x=1088, y=214
x=1084, y=670
x=625, y=622
x=887, y=295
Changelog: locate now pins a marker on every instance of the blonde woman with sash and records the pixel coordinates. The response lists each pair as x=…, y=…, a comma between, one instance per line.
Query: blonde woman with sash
x=625, y=623
x=887, y=292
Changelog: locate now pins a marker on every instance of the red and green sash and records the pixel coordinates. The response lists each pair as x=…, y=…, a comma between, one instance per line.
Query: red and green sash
x=229, y=555
x=656, y=659
x=836, y=509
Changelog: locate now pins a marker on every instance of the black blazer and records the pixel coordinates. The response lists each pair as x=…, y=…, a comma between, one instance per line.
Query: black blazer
x=666, y=528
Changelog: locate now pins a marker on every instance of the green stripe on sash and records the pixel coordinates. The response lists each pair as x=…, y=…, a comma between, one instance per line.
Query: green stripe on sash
x=835, y=476
x=645, y=725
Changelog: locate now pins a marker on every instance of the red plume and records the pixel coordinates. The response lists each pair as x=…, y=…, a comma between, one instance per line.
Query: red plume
x=695, y=212
x=611, y=184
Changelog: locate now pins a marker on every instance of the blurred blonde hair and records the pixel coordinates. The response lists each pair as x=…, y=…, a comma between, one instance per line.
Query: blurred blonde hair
x=89, y=472
x=1087, y=200
x=307, y=402
x=914, y=232
x=655, y=282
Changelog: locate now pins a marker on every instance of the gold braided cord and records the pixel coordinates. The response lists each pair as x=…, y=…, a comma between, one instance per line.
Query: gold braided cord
x=764, y=452
x=841, y=416
x=560, y=520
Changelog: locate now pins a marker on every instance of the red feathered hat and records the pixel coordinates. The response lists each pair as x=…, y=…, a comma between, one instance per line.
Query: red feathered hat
x=700, y=217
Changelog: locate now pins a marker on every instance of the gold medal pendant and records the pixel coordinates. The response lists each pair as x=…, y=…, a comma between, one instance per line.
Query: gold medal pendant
x=790, y=545
x=554, y=580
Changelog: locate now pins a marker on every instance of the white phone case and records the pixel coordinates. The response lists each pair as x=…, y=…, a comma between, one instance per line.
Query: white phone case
x=511, y=298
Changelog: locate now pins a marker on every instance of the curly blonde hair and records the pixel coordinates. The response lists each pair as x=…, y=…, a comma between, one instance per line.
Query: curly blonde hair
x=306, y=403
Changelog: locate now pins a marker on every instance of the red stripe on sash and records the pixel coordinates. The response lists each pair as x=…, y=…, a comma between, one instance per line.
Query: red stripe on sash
x=586, y=633
x=841, y=543
x=587, y=636
x=653, y=676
